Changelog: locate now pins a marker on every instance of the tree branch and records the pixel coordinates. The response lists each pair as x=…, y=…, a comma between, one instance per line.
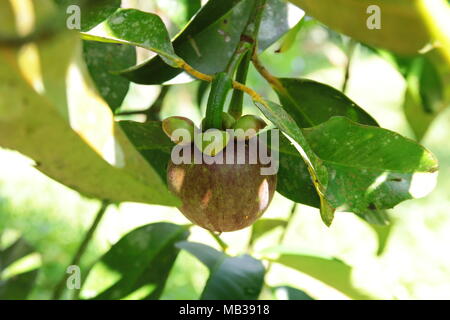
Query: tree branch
x=81, y=249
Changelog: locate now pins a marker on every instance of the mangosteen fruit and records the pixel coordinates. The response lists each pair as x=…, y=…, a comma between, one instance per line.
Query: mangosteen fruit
x=225, y=196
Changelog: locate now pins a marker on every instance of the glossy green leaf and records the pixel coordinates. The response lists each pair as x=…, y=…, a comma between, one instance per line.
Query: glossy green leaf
x=206, y=43
x=19, y=285
x=141, y=261
x=102, y=59
x=231, y=278
x=290, y=293
x=211, y=37
x=151, y=141
x=35, y=120
x=138, y=28
x=370, y=168
x=263, y=226
x=92, y=12
x=402, y=29
x=331, y=271
x=293, y=178
x=311, y=103
x=318, y=172
x=274, y=23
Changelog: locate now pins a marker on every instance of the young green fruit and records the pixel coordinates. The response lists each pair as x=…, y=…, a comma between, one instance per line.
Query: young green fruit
x=221, y=197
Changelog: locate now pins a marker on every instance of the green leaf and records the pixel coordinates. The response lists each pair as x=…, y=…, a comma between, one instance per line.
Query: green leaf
x=192, y=7
x=263, y=226
x=293, y=178
x=400, y=19
x=370, y=168
x=138, y=28
x=427, y=93
x=331, y=271
x=18, y=285
x=274, y=23
x=291, y=36
x=37, y=129
x=92, y=12
x=55, y=56
x=7, y=20
x=318, y=173
x=290, y=293
x=202, y=88
x=211, y=37
x=424, y=97
x=151, y=141
x=102, y=59
x=231, y=278
x=141, y=261
x=206, y=43
x=311, y=103
x=382, y=232
x=376, y=217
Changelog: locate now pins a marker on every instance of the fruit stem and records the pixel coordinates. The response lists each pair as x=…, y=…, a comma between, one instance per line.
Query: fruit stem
x=82, y=248
x=220, y=87
x=221, y=243
x=152, y=112
x=206, y=77
x=242, y=55
x=237, y=99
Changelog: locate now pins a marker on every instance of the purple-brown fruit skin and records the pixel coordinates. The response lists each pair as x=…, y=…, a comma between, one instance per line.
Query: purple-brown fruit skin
x=221, y=197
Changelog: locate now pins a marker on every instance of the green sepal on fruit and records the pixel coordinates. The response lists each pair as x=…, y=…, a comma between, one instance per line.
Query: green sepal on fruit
x=248, y=126
x=212, y=141
x=227, y=121
x=180, y=130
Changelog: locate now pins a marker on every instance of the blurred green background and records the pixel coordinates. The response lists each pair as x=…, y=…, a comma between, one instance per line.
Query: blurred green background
x=414, y=265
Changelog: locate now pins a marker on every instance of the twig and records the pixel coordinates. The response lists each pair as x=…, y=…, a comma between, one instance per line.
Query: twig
x=152, y=112
x=350, y=52
x=273, y=81
x=81, y=249
x=284, y=232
